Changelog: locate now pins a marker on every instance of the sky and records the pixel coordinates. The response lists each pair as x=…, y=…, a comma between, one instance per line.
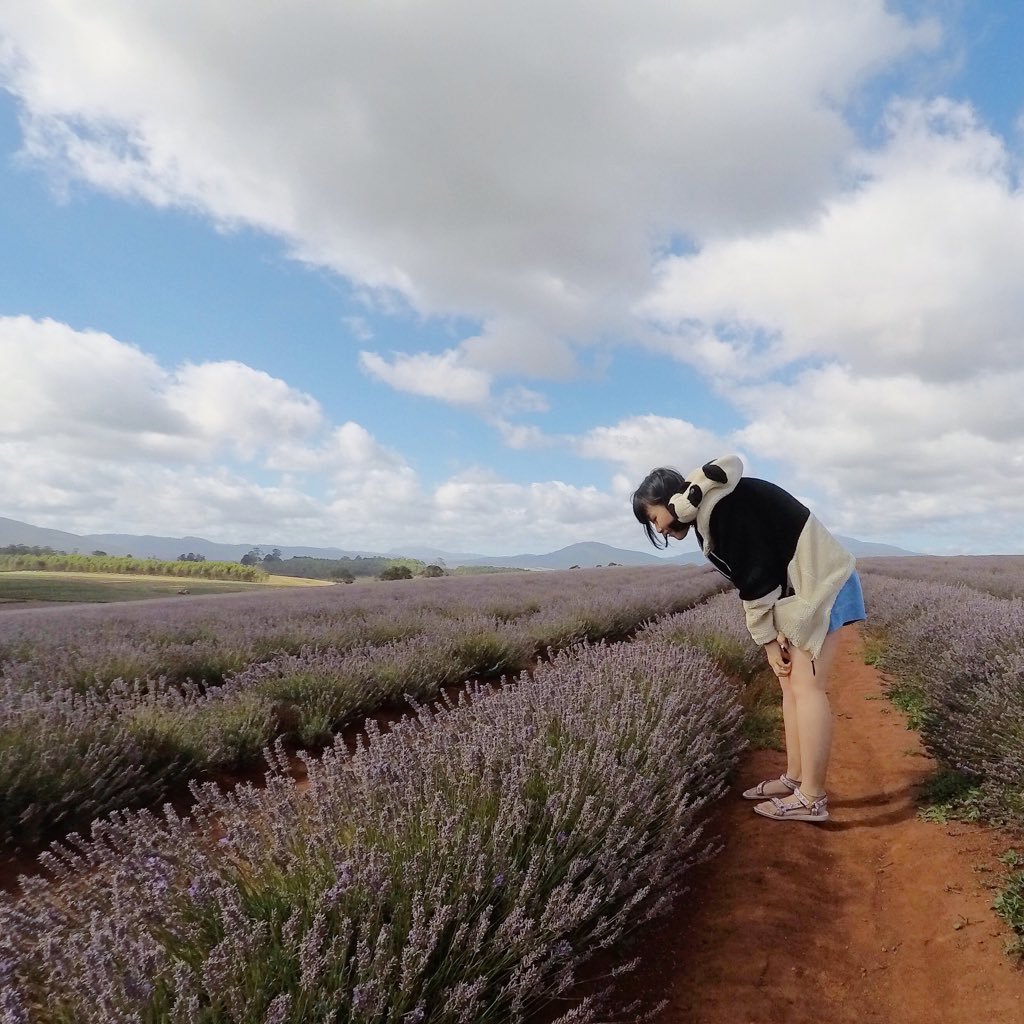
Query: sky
x=387, y=273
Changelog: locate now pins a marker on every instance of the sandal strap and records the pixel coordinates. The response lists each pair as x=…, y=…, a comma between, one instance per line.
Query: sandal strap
x=814, y=806
x=789, y=783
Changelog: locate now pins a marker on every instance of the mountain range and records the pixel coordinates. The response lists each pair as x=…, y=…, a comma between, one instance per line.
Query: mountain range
x=584, y=554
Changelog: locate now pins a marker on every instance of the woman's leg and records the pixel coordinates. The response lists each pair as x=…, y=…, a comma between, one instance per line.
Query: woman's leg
x=793, y=766
x=809, y=683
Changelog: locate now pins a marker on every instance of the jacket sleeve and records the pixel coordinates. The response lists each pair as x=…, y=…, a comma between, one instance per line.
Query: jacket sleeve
x=760, y=618
x=758, y=584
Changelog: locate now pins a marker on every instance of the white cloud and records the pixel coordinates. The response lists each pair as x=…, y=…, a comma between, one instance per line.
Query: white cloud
x=915, y=269
x=101, y=494
x=88, y=393
x=478, y=161
x=358, y=328
x=481, y=508
x=97, y=433
x=935, y=464
x=520, y=400
x=640, y=443
x=55, y=380
x=513, y=345
x=464, y=375
x=231, y=403
x=443, y=375
x=521, y=436
x=242, y=457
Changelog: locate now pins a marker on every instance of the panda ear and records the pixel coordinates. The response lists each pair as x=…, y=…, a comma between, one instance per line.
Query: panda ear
x=694, y=495
x=714, y=472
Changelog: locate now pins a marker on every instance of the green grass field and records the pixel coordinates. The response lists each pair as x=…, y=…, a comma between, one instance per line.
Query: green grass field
x=20, y=587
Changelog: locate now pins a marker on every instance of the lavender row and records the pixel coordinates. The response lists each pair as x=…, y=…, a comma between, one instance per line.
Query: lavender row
x=999, y=575
x=67, y=757
x=462, y=868
x=207, y=639
x=718, y=627
x=964, y=650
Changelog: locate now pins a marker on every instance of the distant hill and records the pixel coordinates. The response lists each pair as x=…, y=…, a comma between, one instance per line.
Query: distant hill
x=584, y=554
x=591, y=553
x=143, y=546
x=866, y=548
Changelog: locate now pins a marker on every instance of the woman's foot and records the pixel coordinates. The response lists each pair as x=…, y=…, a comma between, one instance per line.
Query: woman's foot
x=782, y=786
x=797, y=807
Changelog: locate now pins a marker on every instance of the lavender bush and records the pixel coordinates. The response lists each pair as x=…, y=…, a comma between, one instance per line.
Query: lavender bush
x=718, y=627
x=964, y=650
x=66, y=758
x=461, y=868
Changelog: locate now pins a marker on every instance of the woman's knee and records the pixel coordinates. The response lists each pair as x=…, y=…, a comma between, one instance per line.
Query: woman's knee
x=808, y=675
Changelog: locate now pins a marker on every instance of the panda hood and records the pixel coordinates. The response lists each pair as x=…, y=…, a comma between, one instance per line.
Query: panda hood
x=702, y=490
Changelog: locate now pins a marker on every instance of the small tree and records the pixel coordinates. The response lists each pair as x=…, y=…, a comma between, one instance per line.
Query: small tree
x=274, y=556
x=396, y=572
x=433, y=571
x=252, y=557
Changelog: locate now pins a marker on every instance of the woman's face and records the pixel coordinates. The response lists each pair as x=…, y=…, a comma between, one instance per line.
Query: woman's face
x=664, y=521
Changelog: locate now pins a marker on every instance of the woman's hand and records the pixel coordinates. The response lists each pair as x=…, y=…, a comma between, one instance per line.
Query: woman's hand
x=778, y=657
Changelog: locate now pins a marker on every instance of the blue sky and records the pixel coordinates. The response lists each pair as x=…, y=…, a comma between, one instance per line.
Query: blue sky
x=335, y=279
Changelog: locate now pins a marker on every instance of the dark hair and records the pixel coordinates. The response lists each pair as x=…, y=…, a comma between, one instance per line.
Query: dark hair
x=656, y=488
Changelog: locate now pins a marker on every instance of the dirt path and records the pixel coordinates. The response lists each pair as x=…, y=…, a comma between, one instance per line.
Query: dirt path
x=874, y=916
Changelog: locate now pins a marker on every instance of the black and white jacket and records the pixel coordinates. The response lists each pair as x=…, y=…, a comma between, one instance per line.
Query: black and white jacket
x=787, y=567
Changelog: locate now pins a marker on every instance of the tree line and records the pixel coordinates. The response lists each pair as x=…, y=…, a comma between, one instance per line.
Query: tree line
x=101, y=562
x=341, y=569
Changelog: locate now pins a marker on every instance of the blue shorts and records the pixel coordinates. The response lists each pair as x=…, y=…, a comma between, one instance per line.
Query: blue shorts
x=849, y=605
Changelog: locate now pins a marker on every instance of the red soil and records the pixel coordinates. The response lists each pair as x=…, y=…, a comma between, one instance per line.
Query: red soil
x=875, y=915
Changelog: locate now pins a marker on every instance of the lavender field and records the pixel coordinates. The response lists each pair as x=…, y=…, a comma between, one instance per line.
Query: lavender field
x=461, y=867
x=464, y=866
x=108, y=707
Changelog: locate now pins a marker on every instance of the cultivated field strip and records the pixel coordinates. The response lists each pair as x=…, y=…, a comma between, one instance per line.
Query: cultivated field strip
x=460, y=868
x=137, y=566
x=109, y=708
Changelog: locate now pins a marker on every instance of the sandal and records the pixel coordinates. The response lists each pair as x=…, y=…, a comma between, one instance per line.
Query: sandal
x=795, y=808
x=758, y=791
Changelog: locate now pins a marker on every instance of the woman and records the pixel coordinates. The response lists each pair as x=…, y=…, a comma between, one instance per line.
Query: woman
x=799, y=588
